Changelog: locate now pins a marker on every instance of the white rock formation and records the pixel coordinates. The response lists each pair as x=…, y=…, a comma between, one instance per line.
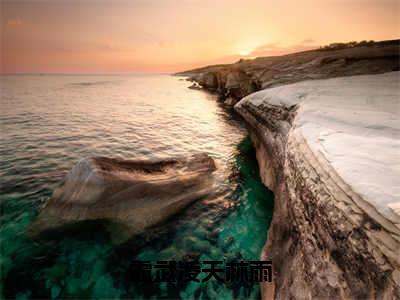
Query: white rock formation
x=354, y=123
x=330, y=151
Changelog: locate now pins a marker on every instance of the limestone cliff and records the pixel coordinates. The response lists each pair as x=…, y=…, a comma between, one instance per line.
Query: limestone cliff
x=329, y=150
x=234, y=81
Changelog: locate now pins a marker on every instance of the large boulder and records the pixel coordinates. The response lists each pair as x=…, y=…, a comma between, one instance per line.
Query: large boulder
x=129, y=196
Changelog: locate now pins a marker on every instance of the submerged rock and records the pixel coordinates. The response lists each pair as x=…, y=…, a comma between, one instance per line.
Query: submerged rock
x=329, y=149
x=130, y=196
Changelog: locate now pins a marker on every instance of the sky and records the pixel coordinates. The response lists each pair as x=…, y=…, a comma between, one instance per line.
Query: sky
x=126, y=36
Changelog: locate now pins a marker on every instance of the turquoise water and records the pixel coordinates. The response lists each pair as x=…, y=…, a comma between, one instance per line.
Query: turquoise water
x=49, y=122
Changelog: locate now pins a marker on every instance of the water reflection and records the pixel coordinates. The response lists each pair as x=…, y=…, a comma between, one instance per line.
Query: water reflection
x=50, y=122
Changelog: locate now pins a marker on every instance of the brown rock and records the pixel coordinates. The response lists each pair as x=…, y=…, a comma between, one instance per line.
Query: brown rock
x=246, y=76
x=129, y=196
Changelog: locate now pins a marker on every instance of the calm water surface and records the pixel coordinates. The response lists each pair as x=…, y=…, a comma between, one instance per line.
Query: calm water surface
x=49, y=122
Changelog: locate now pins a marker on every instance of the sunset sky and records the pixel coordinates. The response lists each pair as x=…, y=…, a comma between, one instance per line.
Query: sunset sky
x=118, y=36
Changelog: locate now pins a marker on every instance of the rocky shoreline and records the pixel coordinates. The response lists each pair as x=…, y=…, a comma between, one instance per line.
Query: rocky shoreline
x=325, y=241
x=330, y=236
x=232, y=82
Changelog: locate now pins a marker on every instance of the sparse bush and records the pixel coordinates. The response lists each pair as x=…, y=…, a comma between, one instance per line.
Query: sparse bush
x=338, y=46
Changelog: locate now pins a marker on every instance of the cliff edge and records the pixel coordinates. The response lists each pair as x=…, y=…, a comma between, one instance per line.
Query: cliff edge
x=235, y=81
x=330, y=151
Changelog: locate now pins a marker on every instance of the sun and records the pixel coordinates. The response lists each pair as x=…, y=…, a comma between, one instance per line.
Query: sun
x=245, y=48
x=245, y=51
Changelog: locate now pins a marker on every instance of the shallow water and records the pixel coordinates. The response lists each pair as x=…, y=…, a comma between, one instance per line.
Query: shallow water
x=49, y=122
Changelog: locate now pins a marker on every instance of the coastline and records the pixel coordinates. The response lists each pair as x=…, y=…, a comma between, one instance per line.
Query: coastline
x=232, y=82
x=231, y=225
x=325, y=240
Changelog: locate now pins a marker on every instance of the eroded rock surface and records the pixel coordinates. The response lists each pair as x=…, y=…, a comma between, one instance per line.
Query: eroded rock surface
x=128, y=195
x=329, y=149
x=240, y=79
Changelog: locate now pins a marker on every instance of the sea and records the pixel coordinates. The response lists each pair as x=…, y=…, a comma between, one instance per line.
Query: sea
x=49, y=122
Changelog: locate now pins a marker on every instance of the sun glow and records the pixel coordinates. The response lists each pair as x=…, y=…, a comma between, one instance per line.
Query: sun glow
x=170, y=36
x=245, y=48
x=245, y=51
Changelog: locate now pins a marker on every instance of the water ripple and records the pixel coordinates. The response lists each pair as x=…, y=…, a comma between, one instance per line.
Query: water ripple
x=48, y=123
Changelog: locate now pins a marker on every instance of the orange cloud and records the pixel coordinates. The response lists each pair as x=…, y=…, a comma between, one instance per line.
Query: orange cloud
x=275, y=49
x=169, y=35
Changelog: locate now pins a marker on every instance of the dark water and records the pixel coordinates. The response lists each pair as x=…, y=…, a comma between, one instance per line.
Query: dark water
x=49, y=122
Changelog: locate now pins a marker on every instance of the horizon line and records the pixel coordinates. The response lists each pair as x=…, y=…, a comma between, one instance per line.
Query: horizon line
x=86, y=73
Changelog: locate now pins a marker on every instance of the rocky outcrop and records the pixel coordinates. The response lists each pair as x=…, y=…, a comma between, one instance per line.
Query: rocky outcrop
x=332, y=163
x=247, y=76
x=233, y=84
x=329, y=150
x=127, y=196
